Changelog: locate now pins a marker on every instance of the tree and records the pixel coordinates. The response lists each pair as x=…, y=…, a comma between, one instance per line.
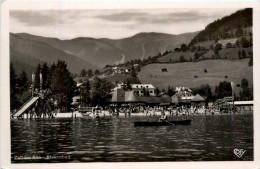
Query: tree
x=62, y=85
x=170, y=91
x=128, y=84
x=97, y=72
x=239, y=32
x=250, y=63
x=100, y=93
x=138, y=68
x=218, y=47
x=245, y=94
x=250, y=41
x=83, y=73
x=90, y=73
x=13, y=88
x=177, y=49
x=23, y=81
x=52, y=70
x=157, y=91
x=196, y=56
x=237, y=43
x=223, y=89
x=45, y=71
x=133, y=73
x=184, y=47
x=193, y=48
x=250, y=53
x=244, y=42
x=243, y=53
x=164, y=70
x=239, y=54
x=209, y=95
x=182, y=59
x=204, y=90
x=85, y=93
x=37, y=76
x=244, y=84
x=132, y=80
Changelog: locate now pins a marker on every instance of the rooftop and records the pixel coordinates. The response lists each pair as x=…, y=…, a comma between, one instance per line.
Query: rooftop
x=136, y=86
x=225, y=41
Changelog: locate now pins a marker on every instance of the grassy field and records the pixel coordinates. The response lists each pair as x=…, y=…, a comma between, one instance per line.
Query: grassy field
x=117, y=78
x=231, y=53
x=175, y=56
x=182, y=74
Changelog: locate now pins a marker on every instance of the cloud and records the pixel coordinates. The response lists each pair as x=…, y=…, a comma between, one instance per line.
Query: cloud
x=123, y=16
x=155, y=17
x=34, y=18
x=108, y=23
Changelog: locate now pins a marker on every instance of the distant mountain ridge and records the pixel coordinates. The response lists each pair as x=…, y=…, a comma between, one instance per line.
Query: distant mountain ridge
x=100, y=52
x=26, y=54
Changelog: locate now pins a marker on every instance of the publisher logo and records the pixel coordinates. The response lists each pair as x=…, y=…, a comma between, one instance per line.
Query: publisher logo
x=239, y=152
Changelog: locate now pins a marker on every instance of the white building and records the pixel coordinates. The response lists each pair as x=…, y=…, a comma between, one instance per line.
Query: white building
x=228, y=43
x=139, y=89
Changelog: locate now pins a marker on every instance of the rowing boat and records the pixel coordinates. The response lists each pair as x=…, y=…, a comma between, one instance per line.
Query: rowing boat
x=162, y=123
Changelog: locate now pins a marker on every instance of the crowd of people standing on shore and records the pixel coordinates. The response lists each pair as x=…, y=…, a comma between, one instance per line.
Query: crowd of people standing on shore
x=149, y=111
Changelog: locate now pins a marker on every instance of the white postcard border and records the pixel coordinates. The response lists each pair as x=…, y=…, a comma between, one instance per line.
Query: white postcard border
x=33, y=5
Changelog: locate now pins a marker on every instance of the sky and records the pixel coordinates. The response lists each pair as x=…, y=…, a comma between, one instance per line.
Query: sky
x=114, y=24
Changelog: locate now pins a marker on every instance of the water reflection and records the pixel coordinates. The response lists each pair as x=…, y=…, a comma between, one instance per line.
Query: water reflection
x=208, y=138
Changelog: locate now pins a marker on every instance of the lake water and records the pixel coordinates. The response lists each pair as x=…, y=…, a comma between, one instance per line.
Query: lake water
x=208, y=138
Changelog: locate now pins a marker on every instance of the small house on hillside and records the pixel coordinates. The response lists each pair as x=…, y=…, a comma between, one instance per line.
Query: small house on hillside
x=120, y=69
x=198, y=101
x=227, y=43
x=182, y=98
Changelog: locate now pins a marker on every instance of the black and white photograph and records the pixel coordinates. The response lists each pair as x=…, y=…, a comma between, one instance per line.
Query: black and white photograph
x=172, y=84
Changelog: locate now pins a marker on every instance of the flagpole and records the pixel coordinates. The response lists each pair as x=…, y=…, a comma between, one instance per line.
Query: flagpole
x=233, y=97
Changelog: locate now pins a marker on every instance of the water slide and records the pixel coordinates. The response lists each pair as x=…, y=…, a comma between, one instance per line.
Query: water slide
x=25, y=106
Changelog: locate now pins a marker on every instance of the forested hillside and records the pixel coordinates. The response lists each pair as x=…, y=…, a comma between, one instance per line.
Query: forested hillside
x=221, y=27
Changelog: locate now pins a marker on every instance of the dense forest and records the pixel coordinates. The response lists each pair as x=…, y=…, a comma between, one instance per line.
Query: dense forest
x=240, y=19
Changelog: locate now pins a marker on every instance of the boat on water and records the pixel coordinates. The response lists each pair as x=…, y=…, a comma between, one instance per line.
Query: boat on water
x=162, y=123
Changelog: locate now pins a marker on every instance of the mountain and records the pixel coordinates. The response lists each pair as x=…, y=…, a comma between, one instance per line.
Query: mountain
x=101, y=52
x=26, y=53
x=222, y=27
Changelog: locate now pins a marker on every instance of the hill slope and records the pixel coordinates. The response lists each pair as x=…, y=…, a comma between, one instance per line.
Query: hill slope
x=182, y=74
x=26, y=54
x=240, y=19
x=101, y=52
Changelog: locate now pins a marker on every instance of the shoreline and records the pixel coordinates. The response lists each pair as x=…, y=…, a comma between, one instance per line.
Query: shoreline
x=77, y=114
